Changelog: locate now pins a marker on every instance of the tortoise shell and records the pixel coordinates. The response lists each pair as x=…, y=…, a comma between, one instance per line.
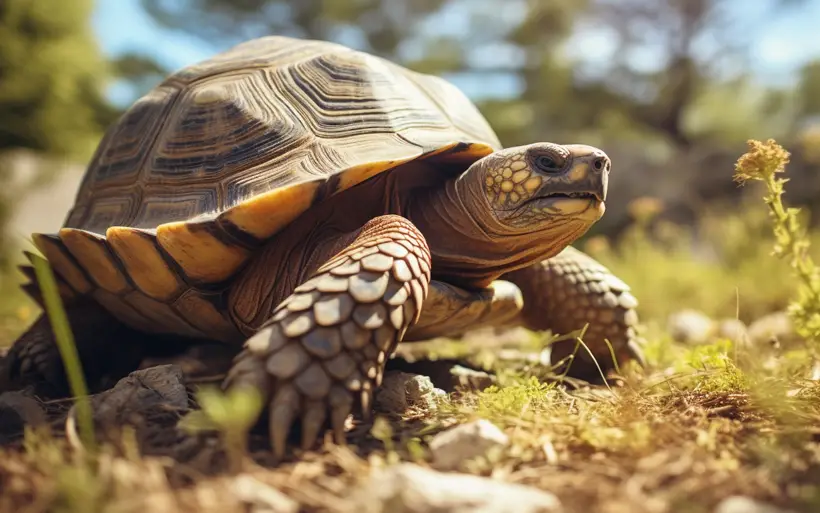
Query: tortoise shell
x=223, y=154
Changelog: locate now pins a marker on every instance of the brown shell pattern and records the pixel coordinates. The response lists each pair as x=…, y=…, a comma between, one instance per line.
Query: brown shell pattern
x=223, y=154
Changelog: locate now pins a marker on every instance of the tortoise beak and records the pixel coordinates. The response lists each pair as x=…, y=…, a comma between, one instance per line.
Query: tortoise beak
x=588, y=174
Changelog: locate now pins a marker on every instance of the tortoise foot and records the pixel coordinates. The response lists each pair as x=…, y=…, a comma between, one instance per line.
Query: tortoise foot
x=323, y=352
x=570, y=290
x=108, y=351
x=33, y=360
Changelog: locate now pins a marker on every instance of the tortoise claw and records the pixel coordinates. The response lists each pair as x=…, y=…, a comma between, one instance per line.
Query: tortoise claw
x=341, y=404
x=283, y=410
x=313, y=419
x=366, y=401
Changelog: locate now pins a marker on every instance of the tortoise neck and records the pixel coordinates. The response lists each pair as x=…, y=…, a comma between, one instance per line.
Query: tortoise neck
x=467, y=248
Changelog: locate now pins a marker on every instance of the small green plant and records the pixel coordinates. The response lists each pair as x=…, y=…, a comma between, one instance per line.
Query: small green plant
x=765, y=162
x=514, y=400
x=68, y=350
x=383, y=432
x=232, y=413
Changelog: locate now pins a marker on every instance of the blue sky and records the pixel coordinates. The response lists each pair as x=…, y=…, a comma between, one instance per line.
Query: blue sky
x=122, y=26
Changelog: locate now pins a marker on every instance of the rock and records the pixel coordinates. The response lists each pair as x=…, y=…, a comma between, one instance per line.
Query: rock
x=440, y=371
x=732, y=329
x=471, y=379
x=401, y=390
x=18, y=410
x=464, y=442
x=690, y=326
x=262, y=498
x=740, y=504
x=409, y=488
x=773, y=329
x=142, y=392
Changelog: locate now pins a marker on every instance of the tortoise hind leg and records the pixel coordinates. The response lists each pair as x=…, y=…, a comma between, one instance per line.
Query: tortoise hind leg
x=108, y=350
x=324, y=349
x=571, y=289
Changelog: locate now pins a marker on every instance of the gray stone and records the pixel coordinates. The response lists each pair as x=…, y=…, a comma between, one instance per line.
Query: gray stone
x=401, y=390
x=409, y=488
x=732, y=329
x=690, y=327
x=464, y=442
x=18, y=410
x=160, y=388
x=775, y=329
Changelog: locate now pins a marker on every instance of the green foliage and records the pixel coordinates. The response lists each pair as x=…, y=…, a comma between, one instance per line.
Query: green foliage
x=51, y=92
x=515, y=400
x=809, y=88
x=763, y=162
x=232, y=414
x=722, y=265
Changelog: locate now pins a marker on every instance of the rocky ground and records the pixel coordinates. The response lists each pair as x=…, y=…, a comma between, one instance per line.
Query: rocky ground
x=447, y=436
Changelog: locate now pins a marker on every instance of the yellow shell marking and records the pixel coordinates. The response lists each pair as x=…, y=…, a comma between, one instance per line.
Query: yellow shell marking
x=142, y=261
x=359, y=174
x=201, y=256
x=474, y=152
x=265, y=214
x=91, y=252
x=62, y=263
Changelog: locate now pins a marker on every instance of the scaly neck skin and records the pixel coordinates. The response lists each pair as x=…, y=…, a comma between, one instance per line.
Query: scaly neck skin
x=468, y=245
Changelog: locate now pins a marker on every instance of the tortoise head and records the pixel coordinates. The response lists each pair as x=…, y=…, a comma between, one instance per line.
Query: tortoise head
x=538, y=190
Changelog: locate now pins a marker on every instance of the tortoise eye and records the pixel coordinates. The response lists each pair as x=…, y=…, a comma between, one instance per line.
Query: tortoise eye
x=547, y=164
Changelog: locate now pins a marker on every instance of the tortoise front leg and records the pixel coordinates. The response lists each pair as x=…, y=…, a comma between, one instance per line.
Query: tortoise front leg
x=571, y=289
x=324, y=349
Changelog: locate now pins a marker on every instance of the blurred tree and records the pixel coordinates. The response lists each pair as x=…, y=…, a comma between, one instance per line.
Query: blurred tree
x=140, y=73
x=52, y=77
x=667, y=55
x=380, y=26
x=51, y=80
x=808, y=90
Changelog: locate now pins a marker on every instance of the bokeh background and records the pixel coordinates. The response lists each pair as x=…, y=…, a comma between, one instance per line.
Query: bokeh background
x=671, y=89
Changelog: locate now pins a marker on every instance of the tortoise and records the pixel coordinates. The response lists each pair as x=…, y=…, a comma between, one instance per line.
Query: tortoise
x=311, y=206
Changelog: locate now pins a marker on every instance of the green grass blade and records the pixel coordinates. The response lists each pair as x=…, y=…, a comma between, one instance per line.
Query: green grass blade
x=68, y=350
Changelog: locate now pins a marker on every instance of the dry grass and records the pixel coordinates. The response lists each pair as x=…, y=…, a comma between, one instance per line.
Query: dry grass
x=677, y=439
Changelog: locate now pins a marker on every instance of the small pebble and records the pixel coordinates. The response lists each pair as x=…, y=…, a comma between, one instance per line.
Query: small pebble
x=464, y=442
x=740, y=504
x=409, y=488
x=690, y=327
